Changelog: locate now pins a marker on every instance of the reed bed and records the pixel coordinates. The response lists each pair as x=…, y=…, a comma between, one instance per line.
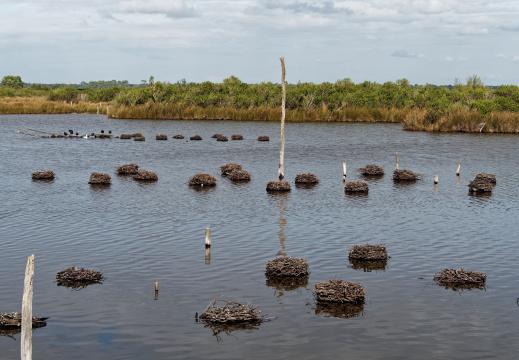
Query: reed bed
x=239, y=175
x=161, y=137
x=228, y=168
x=405, y=175
x=236, y=137
x=286, y=267
x=100, y=179
x=128, y=169
x=43, y=175
x=11, y=321
x=368, y=252
x=40, y=105
x=278, y=186
x=77, y=278
x=371, y=170
x=356, y=187
x=263, y=138
x=339, y=291
x=201, y=180
x=145, y=175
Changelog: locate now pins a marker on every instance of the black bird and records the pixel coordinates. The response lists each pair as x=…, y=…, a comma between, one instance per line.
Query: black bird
x=71, y=132
x=65, y=133
x=102, y=131
x=109, y=131
x=77, y=134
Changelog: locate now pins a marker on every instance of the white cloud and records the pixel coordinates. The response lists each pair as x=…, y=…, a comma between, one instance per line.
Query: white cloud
x=171, y=8
x=471, y=30
x=500, y=56
x=405, y=54
x=516, y=58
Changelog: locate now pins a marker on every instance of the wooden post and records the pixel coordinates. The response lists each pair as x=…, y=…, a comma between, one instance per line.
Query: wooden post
x=156, y=290
x=435, y=179
x=458, y=170
x=397, y=161
x=344, y=171
x=26, y=343
x=208, y=256
x=281, y=171
x=207, y=237
x=107, y=111
x=98, y=110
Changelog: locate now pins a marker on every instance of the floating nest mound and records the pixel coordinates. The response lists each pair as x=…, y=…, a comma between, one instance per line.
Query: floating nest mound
x=286, y=267
x=405, y=175
x=222, y=138
x=196, y=137
x=306, y=179
x=104, y=136
x=128, y=169
x=237, y=137
x=139, y=138
x=134, y=135
x=100, y=178
x=43, y=175
x=338, y=310
x=216, y=136
x=77, y=278
x=145, y=175
x=263, y=138
x=455, y=278
x=201, y=180
x=239, y=175
x=368, y=253
x=278, y=185
x=230, y=312
x=371, y=170
x=339, y=291
x=287, y=283
x=13, y=321
x=490, y=178
x=178, y=136
x=161, y=137
x=125, y=136
x=356, y=187
x=228, y=168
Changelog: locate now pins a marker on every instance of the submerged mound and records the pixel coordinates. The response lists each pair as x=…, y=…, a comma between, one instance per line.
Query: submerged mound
x=286, y=267
x=43, y=175
x=339, y=291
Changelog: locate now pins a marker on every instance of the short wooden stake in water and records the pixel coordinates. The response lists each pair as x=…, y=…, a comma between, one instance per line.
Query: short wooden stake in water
x=98, y=110
x=208, y=256
x=344, y=171
x=435, y=179
x=207, y=237
x=156, y=290
x=26, y=343
x=397, y=162
x=458, y=170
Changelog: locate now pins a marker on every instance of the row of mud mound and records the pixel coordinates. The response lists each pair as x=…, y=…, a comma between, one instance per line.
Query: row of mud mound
x=218, y=137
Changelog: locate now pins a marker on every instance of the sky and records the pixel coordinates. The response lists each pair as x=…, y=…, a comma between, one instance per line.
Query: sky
x=424, y=41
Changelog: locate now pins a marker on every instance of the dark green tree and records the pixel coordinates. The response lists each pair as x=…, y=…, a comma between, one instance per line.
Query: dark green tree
x=11, y=81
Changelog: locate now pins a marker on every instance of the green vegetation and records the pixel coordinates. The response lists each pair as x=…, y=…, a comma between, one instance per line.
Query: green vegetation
x=14, y=82
x=462, y=107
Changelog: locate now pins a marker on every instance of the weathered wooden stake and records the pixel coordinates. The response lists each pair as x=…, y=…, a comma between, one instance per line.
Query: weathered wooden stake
x=397, y=161
x=207, y=237
x=435, y=179
x=156, y=290
x=26, y=343
x=98, y=110
x=344, y=171
x=458, y=170
x=207, y=255
x=107, y=110
x=281, y=171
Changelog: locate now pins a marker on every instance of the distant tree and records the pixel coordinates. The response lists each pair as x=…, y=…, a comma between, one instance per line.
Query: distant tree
x=11, y=81
x=474, y=82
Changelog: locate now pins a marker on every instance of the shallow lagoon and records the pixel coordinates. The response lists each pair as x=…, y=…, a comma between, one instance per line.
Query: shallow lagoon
x=140, y=233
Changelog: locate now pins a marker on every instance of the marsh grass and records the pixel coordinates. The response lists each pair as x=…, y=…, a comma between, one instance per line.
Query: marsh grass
x=40, y=105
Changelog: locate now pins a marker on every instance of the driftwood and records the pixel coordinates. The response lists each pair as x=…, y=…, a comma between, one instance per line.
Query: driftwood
x=128, y=169
x=306, y=179
x=339, y=291
x=239, y=175
x=43, y=175
x=263, y=138
x=100, y=178
x=145, y=175
x=228, y=168
x=371, y=170
x=278, y=185
x=286, y=267
x=404, y=175
x=14, y=321
x=356, y=187
x=201, y=180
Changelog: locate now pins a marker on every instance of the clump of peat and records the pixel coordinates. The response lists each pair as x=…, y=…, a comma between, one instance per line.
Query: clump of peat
x=78, y=278
x=161, y=137
x=339, y=291
x=178, y=136
x=306, y=179
x=405, y=175
x=356, y=187
x=145, y=175
x=195, y=137
x=99, y=179
x=286, y=267
x=371, y=170
x=460, y=279
x=239, y=175
x=263, y=138
x=128, y=169
x=228, y=168
x=201, y=180
x=278, y=185
x=43, y=175
x=237, y=137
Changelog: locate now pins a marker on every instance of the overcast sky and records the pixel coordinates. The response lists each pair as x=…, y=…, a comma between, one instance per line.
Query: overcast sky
x=425, y=41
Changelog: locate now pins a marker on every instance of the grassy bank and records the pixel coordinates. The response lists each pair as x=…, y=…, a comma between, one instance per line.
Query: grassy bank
x=40, y=105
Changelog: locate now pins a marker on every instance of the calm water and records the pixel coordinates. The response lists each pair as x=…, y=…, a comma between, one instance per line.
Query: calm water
x=142, y=233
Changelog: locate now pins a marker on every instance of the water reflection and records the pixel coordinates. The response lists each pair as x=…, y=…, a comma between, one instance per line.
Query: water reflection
x=280, y=200
x=462, y=287
x=77, y=285
x=287, y=283
x=228, y=328
x=306, y=186
x=368, y=265
x=338, y=310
